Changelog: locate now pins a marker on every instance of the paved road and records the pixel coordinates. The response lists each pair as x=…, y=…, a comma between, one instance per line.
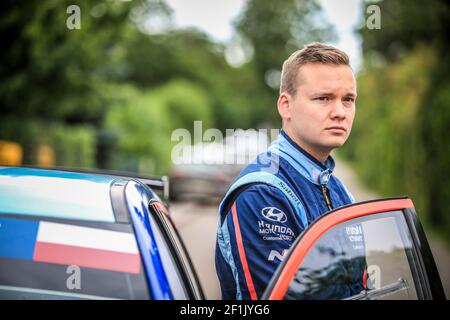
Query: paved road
x=198, y=226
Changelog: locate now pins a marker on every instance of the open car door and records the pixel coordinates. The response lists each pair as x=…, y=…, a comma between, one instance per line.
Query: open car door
x=369, y=250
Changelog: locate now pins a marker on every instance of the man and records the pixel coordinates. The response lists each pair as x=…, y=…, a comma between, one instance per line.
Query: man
x=291, y=185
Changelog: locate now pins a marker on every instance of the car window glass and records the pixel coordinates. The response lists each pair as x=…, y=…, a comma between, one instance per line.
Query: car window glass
x=48, y=260
x=371, y=257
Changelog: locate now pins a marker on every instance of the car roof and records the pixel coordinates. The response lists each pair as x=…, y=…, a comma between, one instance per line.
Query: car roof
x=56, y=194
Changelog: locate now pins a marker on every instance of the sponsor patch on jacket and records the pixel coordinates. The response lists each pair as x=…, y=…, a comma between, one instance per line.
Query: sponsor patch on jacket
x=274, y=214
x=275, y=232
x=274, y=254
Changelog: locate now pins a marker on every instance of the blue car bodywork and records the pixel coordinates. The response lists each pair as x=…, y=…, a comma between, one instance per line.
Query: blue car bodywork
x=98, y=198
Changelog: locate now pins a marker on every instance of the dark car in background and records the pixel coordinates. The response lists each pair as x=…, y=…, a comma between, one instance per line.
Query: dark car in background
x=203, y=183
x=208, y=169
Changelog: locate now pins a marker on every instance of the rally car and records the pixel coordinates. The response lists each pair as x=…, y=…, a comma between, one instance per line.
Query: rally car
x=74, y=235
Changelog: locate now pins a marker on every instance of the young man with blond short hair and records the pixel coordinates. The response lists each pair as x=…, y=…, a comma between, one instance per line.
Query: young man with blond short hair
x=291, y=185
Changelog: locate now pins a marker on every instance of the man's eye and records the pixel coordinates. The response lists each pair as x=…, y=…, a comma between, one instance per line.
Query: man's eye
x=322, y=98
x=350, y=99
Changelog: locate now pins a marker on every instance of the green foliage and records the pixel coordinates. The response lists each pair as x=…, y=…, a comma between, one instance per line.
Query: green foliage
x=275, y=29
x=435, y=125
x=136, y=119
x=399, y=142
x=74, y=146
x=144, y=120
x=49, y=71
x=385, y=145
x=406, y=23
x=184, y=103
x=118, y=91
x=153, y=60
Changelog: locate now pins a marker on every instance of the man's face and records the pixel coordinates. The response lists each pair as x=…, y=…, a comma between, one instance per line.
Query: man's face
x=320, y=115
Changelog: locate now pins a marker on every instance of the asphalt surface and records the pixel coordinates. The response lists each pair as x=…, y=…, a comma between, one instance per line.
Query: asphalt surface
x=197, y=225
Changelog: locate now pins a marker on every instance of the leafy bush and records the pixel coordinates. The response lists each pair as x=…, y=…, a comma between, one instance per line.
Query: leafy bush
x=398, y=143
x=144, y=121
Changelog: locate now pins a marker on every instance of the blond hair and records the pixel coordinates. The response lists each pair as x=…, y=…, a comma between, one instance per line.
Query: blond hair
x=311, y=53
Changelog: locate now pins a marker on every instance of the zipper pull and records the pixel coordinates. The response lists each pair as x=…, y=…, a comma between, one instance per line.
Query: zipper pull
x=326, y=195
x=324, y=178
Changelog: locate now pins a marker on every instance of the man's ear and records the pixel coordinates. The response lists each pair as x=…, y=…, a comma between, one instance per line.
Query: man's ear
x=284, y=106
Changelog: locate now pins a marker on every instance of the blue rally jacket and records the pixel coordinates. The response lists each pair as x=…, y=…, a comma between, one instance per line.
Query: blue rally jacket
x=267, y=207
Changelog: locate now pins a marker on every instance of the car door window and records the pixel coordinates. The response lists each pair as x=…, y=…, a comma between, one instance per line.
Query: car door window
x=369, y=253
x=69, y=259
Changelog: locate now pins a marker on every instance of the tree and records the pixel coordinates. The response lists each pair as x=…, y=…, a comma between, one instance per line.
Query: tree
x=275, y=29
x=50, y=71
x=51, y=74
x=413, y=35
x=404, y=24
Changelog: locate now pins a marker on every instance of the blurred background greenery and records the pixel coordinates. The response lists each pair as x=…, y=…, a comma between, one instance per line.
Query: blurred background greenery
x=110, y=94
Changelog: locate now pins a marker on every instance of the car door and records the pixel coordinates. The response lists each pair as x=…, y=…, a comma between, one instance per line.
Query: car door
x=369, y=250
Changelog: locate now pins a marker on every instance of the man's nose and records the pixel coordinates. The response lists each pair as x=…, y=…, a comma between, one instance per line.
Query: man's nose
x=338, y=110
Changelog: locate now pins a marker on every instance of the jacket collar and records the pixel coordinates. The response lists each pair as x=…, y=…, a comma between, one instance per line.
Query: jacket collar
x=302, y=161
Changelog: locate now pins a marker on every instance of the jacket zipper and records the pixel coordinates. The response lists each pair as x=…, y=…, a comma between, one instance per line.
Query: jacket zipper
x=326, y=195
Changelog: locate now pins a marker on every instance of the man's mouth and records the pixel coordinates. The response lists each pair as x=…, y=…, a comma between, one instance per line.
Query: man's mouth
x=337, y=129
